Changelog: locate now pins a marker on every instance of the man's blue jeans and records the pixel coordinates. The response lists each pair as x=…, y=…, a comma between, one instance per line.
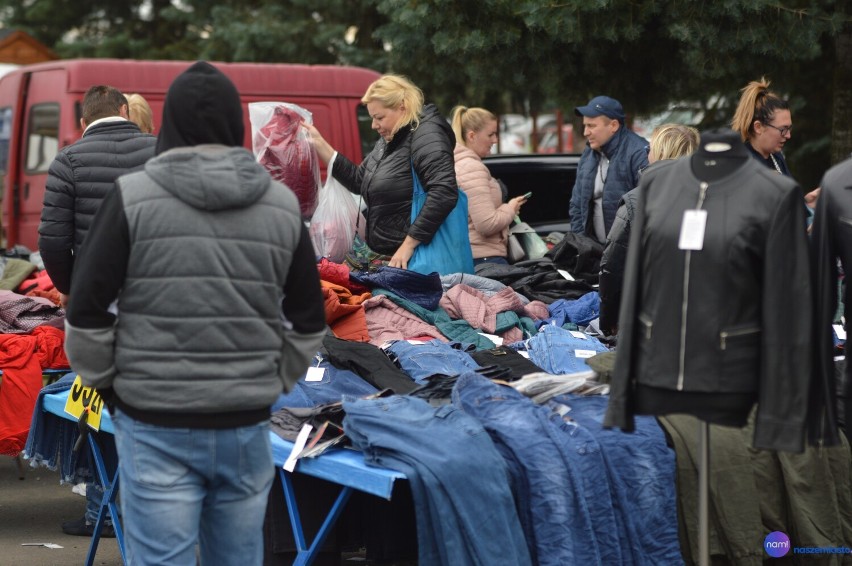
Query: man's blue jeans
x=180, y=486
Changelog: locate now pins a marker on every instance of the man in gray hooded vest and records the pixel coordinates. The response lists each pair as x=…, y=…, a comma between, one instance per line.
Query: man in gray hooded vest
x=220, y=311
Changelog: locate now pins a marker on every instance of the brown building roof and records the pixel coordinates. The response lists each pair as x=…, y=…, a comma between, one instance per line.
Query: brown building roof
x=20, y=48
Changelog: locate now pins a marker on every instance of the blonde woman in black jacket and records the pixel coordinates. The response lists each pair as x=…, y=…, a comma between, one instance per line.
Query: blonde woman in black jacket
x=411, y=135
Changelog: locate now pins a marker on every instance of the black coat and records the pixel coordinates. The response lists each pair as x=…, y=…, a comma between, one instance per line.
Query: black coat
x=728, y=318
x=384, y=179
x=613, y=260
x=831, y=240
x=78, y=180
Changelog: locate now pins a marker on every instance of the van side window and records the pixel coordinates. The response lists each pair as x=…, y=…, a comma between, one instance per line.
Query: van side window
x=42, y=137
x=5, y=137
x=365, y=131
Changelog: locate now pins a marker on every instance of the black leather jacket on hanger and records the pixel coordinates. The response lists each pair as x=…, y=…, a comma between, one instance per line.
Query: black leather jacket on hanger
x=831, y=239
x=734, y=317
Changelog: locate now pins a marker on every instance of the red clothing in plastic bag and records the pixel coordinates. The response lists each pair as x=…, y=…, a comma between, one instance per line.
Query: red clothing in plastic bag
x=289, y=157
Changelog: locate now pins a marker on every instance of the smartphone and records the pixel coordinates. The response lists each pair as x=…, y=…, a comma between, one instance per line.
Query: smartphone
x=528, y=195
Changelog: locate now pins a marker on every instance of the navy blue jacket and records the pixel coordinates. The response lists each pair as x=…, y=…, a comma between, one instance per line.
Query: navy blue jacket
x=628, y=154
x=778, y=158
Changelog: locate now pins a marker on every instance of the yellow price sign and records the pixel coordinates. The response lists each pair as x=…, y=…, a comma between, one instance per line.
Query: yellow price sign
x=81, y=399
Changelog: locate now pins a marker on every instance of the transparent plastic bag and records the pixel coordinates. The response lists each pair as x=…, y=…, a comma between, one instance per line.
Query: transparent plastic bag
x=283, y=147
x=334, y=222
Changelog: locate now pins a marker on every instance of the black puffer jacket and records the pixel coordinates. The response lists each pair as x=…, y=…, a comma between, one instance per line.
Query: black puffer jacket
x=77, y=181
x=384, y=179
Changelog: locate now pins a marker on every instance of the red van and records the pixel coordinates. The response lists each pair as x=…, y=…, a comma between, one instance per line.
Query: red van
x=40, y=113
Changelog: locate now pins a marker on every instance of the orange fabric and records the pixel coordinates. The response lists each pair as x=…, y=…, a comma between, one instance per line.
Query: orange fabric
x=23, y=357
x=345, y=295
x=52, y=295
x=348, y=322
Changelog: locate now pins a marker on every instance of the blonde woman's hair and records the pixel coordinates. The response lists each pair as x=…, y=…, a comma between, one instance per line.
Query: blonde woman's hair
x=393, y=91
x=140, y=112
x=470, y=120
x=670, y=141
x=757, y=104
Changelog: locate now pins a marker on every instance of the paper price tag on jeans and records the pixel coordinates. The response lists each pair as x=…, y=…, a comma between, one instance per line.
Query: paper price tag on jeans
x=579, y=335
x=584, y=353
x=315, y=374
x=839, y=331
x=290, y=463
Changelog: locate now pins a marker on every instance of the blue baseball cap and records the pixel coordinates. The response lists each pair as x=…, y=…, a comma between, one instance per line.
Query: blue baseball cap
x=601, y=106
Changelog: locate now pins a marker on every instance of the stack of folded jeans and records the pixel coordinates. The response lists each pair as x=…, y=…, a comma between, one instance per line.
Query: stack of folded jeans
x=465, y=511
x=558, y=474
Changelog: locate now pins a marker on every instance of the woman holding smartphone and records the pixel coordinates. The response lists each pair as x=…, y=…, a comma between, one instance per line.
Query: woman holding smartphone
x=488, y=216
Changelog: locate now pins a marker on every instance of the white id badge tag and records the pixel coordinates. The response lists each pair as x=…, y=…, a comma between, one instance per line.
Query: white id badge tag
x=692, y=230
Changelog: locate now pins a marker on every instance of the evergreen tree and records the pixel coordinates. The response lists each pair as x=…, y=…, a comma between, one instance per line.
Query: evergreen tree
x=509, y=55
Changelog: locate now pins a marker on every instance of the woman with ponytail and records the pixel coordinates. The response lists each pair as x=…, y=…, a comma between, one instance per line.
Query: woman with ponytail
x=488, y=216
x=765, y=124
x=764, y=121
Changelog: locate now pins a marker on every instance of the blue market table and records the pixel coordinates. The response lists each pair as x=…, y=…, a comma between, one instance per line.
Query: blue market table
x=341, y=466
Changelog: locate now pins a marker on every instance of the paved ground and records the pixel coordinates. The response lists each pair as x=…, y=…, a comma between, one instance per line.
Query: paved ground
x=32, y=510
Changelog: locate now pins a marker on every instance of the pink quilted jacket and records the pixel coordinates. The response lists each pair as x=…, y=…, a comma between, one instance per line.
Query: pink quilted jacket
x=488, y=218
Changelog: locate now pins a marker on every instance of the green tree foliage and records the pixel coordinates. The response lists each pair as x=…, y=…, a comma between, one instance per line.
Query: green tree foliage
x=508, y=55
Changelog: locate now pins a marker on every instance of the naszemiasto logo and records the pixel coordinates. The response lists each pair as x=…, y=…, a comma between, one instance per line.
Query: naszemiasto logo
x=776, y=544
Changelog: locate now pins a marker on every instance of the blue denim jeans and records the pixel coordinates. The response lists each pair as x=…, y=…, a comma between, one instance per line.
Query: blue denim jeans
x=642, y=474
x=420, y=361
x=459, y=482
x=182, y=486
x=335, y=383
x=559, y=476
x=493, y=259
x=554, y=350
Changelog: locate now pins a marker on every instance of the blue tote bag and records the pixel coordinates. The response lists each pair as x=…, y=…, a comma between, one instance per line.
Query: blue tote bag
x=449, y=251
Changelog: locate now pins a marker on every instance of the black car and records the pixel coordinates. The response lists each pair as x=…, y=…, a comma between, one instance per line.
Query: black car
x=550, y=179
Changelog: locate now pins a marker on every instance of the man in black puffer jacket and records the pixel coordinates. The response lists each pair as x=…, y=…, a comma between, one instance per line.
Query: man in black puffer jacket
x=79, y=178
x=82, y=174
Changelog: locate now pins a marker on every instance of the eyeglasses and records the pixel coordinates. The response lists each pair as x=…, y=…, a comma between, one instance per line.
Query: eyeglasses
x=783, y=131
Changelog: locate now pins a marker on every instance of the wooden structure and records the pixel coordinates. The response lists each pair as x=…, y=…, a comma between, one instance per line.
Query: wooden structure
x=20, y=48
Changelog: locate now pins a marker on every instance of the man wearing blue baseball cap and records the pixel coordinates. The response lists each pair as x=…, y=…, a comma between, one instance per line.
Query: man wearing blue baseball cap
x=609, y=167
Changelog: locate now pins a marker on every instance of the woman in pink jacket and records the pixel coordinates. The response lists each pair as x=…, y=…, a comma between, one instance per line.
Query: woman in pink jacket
x=488, y=217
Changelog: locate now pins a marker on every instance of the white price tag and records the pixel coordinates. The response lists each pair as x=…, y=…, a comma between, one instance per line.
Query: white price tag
x=584, y=353
x=692, y=230
x=565, y=274
x=498, y=341
x=315, y=374
x=301, y=440
x=579, y=335
x=840, y=331
x=524, y=354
